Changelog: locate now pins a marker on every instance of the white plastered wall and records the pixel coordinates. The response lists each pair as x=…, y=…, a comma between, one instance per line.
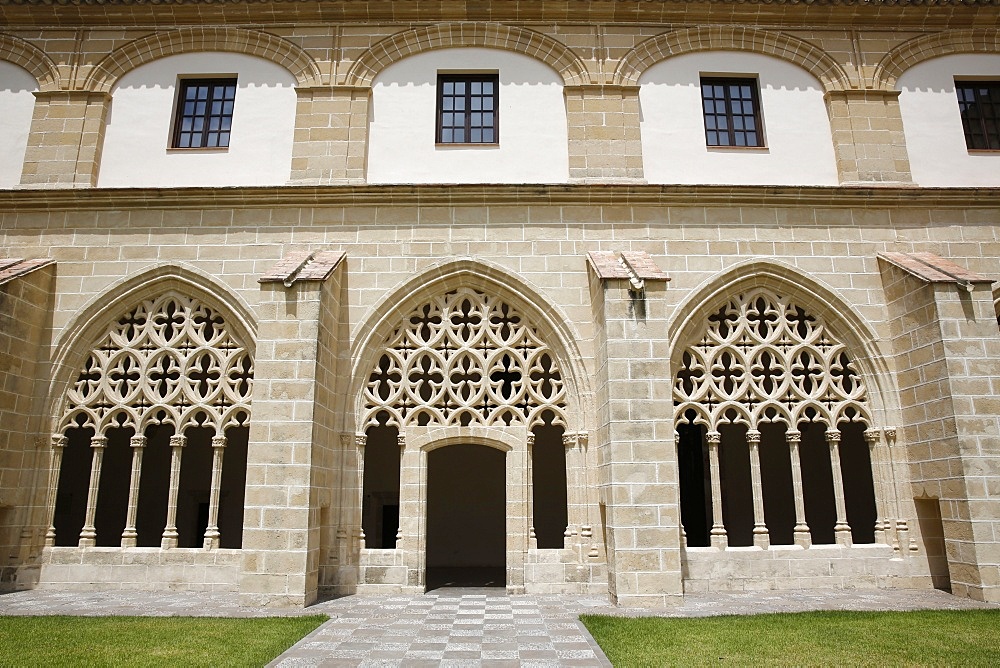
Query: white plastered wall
x=16, y=105
x=932, y=123
x=799, y=143
x=532, y=121
x=137, y=141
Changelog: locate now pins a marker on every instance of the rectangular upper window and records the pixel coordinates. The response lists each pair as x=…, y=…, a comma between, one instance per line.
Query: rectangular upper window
x=732, y=112
x=204, y=114
x=979, y=104
x=467, y=109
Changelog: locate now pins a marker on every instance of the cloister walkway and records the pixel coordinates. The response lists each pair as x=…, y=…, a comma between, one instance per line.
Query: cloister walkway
x=462, y=626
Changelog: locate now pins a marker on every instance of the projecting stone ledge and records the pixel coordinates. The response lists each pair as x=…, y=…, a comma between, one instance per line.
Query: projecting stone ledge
x=303, y=266
x=933, y=268
x=627, y=265
x=11, y=268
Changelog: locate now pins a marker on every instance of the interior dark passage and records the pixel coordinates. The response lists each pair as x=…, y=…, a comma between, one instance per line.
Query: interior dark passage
x=194, y=487
x=466, y=517
x=380, y=496
x=548, y=487
x=696, y=499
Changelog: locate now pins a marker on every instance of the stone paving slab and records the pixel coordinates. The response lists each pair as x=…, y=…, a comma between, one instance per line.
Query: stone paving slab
x=460, y=627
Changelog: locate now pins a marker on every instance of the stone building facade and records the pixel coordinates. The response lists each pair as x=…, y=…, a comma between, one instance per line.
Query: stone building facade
x=331, y=348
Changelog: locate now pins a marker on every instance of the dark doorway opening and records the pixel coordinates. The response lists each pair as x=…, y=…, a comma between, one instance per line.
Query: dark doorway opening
x=932, y=533
x=466, y=517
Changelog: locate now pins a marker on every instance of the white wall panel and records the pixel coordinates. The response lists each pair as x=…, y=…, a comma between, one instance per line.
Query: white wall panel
x=932, y=124
x=137, y=142
x=532, y=122
x=799, y=144
x=16, y=106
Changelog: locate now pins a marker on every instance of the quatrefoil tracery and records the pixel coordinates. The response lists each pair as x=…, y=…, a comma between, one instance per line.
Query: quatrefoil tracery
x=764, y=359
x=171, y=360
x=463, y=358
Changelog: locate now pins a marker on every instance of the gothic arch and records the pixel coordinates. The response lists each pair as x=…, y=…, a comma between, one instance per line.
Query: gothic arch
x=216, y=38
x=32, y=59
x=832, y=318
x=919, y=49
x=449, y=35
x=87, y=329
x=488, y=289
x=779, y=45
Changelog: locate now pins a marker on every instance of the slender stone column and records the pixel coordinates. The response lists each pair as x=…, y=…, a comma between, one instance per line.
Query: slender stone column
x=587, y=496
x=573, y=488
x=803, y=537
x=360, y=441
x=401, y=442
x=902, y=529
x=169, y=539
x=761, y=538
x=88, y=535
x=719, y=538
x=529, y=481
x=212, y=530
x=129, y=535
x=841, y=528
x=59, y=442
x=873, y=437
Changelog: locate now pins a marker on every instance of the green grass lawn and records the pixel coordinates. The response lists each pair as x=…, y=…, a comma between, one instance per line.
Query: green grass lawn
x=148, y=641
x=935, y=637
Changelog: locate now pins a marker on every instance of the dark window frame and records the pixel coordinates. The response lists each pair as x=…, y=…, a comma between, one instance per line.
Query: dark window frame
x=982, y=131
x=444, y=132
x=735, y=121
x=200, y=132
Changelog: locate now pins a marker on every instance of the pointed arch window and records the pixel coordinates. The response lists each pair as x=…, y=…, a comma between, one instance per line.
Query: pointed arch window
x=775, y=436
x=166, y=377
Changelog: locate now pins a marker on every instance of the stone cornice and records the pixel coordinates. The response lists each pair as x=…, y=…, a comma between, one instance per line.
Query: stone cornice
x=581, y=195
x=884, y=14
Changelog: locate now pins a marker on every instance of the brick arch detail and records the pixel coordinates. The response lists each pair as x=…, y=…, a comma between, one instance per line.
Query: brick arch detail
x=917, y=50
x=451, y=35
x=29, y=57
x=185, y=40
x=722, y=38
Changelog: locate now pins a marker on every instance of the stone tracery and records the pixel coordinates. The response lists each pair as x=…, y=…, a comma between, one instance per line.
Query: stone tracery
x=170, y=360
x=764, y=365
x=764, y=359
x=465, y=357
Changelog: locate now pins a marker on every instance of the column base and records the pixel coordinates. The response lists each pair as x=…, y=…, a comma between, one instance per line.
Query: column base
x=130, y=540
x=761, y=538
x=169, y=541
x=802, y=537
x=720, y=540
x=843, y=533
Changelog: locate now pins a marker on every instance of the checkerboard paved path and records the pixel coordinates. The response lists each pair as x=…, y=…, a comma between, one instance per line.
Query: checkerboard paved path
x=460, y=627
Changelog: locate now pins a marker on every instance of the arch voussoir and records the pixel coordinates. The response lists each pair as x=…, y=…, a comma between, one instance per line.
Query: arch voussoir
x=108, y=71
x=766, y=42
x=457, y=35
x=919, y=49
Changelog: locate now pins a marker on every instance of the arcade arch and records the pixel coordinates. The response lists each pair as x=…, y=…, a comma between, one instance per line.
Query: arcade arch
x=150, y=446
x=777, y=439
x=460, y=363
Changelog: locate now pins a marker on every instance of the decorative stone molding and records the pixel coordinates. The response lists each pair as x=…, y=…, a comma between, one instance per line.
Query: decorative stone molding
x=210, y=38
x=451, y=35
x=737, y=38
x=925, y=47
x=26, y=55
